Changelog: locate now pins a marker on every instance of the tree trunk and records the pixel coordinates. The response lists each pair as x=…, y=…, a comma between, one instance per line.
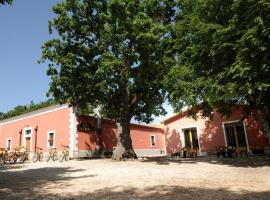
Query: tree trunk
x=124, y=149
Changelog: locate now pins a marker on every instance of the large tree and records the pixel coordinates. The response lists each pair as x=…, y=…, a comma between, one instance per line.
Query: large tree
x=223, y=58
x=113, y=53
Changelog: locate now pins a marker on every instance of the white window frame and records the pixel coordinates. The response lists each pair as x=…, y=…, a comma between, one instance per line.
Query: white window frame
x=48, y=137
x=9, y=138
x=233, y=122
x=153, y=135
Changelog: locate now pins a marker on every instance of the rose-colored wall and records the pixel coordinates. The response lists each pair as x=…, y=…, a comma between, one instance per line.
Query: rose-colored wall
x=141, y=137
x=210, y=132
x=87, y=140
x=57, y=121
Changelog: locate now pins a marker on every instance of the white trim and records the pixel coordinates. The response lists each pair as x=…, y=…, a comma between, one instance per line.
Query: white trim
x=54, y=141
x=182, y=137
x=35, y=115
x=232, y=122
x=9, y=138
x=73, y=139
x=28, y=136
x=154, y=135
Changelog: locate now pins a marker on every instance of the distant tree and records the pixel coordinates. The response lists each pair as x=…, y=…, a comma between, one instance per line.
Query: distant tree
x=5, y=1
x=19, y=110
x=112, y=53
x=223, y=58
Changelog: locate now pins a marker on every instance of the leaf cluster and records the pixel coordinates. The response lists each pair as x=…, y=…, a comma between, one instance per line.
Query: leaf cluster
x=113, y=53
x=223, y=56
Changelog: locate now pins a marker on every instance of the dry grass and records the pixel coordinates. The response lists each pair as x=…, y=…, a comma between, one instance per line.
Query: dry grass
x=203, y=178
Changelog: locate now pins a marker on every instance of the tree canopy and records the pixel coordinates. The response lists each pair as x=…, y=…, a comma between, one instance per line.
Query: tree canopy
x=113, y=53
x=223, y=57
x=5, y=2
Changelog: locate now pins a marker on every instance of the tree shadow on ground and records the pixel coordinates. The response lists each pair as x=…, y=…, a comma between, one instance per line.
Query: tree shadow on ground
x=29, y=181
x=158, y=193
x=258, y=161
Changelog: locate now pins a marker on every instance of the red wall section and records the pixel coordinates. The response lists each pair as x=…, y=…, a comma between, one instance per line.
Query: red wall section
x=87, y=140
x=57, y=121
x=109, y=139
x=141, y=137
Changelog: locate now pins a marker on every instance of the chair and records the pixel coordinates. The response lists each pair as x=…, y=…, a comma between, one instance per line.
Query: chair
x=221, y=150
x=232, y=152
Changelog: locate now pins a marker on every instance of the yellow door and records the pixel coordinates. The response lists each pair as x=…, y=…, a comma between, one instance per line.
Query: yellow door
x=28, y=142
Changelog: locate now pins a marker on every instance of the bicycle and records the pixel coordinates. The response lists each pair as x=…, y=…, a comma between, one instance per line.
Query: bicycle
x=3, y=155
x=64, y=154
x=52, y=154
x=19, y=152
x=38, y=155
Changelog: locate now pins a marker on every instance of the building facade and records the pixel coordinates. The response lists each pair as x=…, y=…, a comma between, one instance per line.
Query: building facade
x=206, y=135
x=87, y=136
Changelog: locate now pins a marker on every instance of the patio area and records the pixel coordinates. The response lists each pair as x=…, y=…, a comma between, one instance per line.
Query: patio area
x=155, y=178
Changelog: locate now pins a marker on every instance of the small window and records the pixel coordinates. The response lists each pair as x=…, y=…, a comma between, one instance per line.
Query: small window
x=8, y=144
x=51, y=139
x=28, y=132
x=153, y=140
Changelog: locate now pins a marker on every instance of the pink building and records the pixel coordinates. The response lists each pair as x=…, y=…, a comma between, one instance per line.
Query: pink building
x=58, y=125
x=207, y=135
x=86, y=136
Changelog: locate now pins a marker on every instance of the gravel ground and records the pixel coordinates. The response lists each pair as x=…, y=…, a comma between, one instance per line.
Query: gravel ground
x=201, y=178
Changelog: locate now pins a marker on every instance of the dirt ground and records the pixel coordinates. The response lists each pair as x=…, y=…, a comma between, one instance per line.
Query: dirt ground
x=201, y=178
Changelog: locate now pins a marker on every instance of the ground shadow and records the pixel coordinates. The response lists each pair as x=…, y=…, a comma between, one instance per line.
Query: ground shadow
x=158, y=193
x=29, y=181
x=251, y=161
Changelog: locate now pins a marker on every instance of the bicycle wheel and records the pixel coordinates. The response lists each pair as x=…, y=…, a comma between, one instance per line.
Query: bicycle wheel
x=12, y=159
x=23, y=157
x=62, y=156
x=5, y=158
x=35, y=157
x=54, y=156
x=49, y=157
x=41, y=156
x=67, y=156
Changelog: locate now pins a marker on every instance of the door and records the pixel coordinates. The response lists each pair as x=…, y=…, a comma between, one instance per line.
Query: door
x=191, y=137
x=235, y=135
x=28, y=145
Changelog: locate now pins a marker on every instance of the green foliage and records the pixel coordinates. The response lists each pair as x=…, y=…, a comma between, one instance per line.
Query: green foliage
x=19, y=110
x=113, y=53
x=223, y=56
x=5, y=1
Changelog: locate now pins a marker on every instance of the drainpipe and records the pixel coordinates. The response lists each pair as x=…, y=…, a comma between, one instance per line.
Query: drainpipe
x=20, y=139
x=36, y=130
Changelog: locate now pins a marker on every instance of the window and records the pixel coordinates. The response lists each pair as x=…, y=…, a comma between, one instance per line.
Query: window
x=8, y=144
x=51, y=139
x=153, y=140
x=27, y=132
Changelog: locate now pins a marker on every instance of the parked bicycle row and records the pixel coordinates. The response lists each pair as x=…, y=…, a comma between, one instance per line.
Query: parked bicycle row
x=20, y=155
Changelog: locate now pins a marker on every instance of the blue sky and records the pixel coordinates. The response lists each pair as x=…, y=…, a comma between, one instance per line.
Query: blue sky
x=23, y=30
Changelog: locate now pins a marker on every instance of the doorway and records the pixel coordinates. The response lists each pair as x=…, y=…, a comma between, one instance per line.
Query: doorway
x=27, y=146
x=235, y=134
x=190, y=138
x=27, y=143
